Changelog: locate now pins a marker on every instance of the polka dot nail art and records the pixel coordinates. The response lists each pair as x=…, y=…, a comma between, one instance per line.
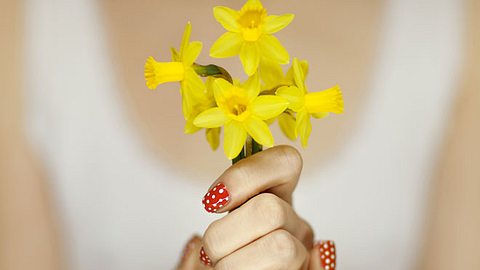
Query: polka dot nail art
x=328, y=255
x=216, y=198
x=204, y=258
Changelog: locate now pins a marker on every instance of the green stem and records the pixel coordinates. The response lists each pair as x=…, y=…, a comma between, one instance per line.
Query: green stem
x=251, y=147
x=256, y=147
x=240, y=156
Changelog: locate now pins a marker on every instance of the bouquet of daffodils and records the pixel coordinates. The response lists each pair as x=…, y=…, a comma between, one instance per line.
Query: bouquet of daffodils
x=243, y=111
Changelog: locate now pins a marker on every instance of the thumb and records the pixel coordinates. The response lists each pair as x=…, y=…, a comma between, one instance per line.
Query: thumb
x=191, y=256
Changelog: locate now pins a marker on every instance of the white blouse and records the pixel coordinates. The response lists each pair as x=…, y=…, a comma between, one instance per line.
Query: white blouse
x=120, y=209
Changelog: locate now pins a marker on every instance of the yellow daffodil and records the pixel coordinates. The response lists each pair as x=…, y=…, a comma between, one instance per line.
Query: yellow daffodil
x=250, y=35
x=241, y=111
x=213, y=137
x=200, y=105
x=305, y=104
x=179, y=70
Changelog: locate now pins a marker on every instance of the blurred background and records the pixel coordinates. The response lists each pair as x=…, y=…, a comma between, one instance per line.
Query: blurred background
x=96, y=172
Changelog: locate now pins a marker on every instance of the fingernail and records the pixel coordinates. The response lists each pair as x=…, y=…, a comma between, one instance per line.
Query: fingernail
x=204, y=258
x=328, y=254
x=216, y=198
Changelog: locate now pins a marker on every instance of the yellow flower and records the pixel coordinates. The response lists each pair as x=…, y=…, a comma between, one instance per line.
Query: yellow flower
x=203, y=104
x=179, y=70
x=250, y=35
x=241, y=111
x=305, y=104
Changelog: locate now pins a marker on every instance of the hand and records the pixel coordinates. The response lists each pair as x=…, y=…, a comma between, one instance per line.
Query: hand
x=261, y=230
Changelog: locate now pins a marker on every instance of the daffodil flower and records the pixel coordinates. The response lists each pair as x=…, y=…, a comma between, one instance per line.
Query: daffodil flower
x=179, y=70
x=305, y=104
x=241, y=111
x=250, y=35
x=201, y=105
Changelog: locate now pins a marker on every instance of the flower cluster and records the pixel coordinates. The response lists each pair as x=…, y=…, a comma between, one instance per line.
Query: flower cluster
x=244, y=110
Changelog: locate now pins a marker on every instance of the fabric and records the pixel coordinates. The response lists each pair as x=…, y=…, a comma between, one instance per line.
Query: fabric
x=121, y=209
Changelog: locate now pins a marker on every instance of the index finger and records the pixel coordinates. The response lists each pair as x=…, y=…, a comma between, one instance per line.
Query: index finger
x=275, y=170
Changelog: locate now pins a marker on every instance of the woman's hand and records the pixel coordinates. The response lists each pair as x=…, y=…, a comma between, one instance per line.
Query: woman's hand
x=261, y=230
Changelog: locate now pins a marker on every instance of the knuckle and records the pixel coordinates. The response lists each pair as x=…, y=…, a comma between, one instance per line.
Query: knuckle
x=271, y=210
x=306, y=234
x=290, y=158
x=284, y=245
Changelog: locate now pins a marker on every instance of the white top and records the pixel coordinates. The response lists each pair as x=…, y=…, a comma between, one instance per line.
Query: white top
x=111, y=193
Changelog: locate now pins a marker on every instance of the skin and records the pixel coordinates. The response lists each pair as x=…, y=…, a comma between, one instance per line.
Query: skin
x=27, y=224
x=28, y=227
x=261, y=229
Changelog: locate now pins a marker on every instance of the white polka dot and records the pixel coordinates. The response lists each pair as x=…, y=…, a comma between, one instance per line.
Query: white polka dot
x=220, y=191
x=325, y=246
x=226, y=199
x=323, y=256
x=208, y=201
x=327, y=253
x=327, y=267
x=213, y=196
x=214, y=188
x=333, y=265
x=208, y=194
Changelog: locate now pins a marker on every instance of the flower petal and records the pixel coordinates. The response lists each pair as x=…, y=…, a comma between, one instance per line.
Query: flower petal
x=211, y=118
x=221, y=90
x=293, y=95
x=250, y=57
x=275, y=23
x=271, y=74
x=303, y=127
x=252, y=87
x=272, y=49
x=287, y=124
x=234, y=139
x=190, y=128
x=252, y=4
x=187, y=100
x=330, y=100
x=227, y=45
x=194, y=84
x=192, y=52
x=268, y=107
x=227, y=17
x=259, y=131
x=186, y=38
x=298, y=74
x=175, y=55
x=213, y=137
x=320, y=115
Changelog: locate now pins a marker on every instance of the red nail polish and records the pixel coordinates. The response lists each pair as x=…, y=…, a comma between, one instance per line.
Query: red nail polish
x=216, y=198
x=328, y=254
x=204, y=258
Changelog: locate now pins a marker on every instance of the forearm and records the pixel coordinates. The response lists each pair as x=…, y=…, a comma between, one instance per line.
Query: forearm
x=27, y=234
